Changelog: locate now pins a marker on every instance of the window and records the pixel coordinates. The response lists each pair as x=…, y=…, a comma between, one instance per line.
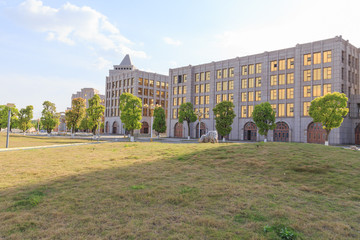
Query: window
x=151, y=83
x=281, y=79
x=258, y=82
x=184, y=99
x=307, y=91
x=316, y=90
x=317, y=58
x=224, y=97
x=244, y=70
x=174, y=113
x=231, y=85
x=258, y=68
x=218, y=74
x=327, y=88
x=157, y=84
x=290, y=78
x=140, y=81
x=251, y=69
x=273, y=66
x=218, y=86
x=207, y=76
x=258, y=96
x=207, y=87
x=197, y=77
x=306, y=108
x=206, y=112
x=197, y=89
x=282, y=64
x=243, y=97
x=282, y=93
x=273, y=94
x=201, y=100
x=207, y=99
x=202, y=88
x=225, y=85
x=317, y=74
x=225, y=73
x=146, y=92
x=231, y=72
x=307, y=59
x=290, y=109
x=179, y=101
x=273, y=80
x=231, y=97
x=180, y=90
x=162, y=85
x=146, y=82
x=140, y=91
x=218, y=98
x=251, y=82
x=184, y=89
x=175, y=79
x=250, y=110
x=251, y=96
x=243, y=111
x=202, y=76
x=281, y=112
x=243, y=83
x=175, y=90
x=184, y=77
x=290, y=63
x=307, y=75
x=273, y=106
x=290, y=93
x=327, y=73
x=327, y=56
x=175, y=101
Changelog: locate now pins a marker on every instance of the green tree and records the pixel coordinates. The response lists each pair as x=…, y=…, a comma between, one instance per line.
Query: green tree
x=130, y=108
x=49, y=117
x=74, y=116
x=95, y=112
x=159, y=124
x=4, y=113
x=25, y=116
x=186, y=113
x=264, y=118
x=329, y=110
x=224, y=117
x=36, y=123
x=84, y=124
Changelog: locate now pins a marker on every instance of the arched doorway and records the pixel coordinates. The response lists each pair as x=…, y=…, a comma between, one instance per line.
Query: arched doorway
x=144, y=128
x=107, y=127
x=281, y=132
x=115, y=128
x=178, y=130
x=315, y=133
x=202, y=129
x=250, y=130
x=357, y=135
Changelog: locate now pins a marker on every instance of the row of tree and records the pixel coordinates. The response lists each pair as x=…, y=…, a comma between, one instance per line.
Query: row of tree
x=18, y=119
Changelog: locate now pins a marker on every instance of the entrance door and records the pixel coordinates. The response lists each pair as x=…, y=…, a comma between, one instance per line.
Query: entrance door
x=178, y=130
x=281, y=132
x=250, y=130
x=357, y=135
x=115, y=128
x=144, y=128
x=315, y=133
x=202, y=129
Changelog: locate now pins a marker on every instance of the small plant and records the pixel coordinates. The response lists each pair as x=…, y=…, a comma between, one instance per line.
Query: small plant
x=281, y=231
x=137, y=187
x=286, y=234
x=28, y=201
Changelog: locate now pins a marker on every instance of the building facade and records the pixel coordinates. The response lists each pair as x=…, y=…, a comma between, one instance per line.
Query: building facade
x=151, y=88
x=88, y=93
x=289, y=79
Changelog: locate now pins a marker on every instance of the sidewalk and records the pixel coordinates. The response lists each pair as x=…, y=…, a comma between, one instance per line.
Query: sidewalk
x=48, y=146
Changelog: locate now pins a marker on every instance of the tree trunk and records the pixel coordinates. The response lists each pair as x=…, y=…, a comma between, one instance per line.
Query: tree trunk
x=188, y=129
x=327, y=137
x=265, y=140
x=132, y=132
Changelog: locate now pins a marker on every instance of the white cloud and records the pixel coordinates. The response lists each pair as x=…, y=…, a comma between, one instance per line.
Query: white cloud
x=102, y=63
x=71, y=24
x=171, y=41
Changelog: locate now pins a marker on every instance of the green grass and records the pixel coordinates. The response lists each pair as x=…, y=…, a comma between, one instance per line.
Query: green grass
x=181, y=191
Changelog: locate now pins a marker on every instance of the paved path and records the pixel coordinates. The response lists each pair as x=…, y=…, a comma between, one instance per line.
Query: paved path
x=48, y=146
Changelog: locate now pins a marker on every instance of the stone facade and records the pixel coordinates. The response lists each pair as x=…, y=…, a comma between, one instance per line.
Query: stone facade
x=289, y=79
x=87, y=93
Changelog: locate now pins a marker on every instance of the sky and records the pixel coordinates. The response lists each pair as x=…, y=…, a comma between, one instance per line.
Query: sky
x=50, y=49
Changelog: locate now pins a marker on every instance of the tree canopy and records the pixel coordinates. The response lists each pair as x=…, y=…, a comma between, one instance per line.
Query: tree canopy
x=94, y=112
x=329, y=110
x=224, y=117
x=130, y=108
x=264, y=118
x=25, y=116
x=186, y=113
x=49, y=118
x=4, y=113
x=159, y=124
x=74, y=116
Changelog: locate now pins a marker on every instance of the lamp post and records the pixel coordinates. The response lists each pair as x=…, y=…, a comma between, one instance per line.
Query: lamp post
x=152, y=108
x=10, y=105
x=199, y=115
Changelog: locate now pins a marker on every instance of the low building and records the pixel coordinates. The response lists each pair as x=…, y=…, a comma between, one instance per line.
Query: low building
x=88, y=93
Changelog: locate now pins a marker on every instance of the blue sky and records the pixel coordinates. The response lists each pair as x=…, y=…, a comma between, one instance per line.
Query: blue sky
x=50, y=49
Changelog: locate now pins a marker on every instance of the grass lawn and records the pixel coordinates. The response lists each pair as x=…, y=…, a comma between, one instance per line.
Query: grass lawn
x=181, y=191
x=19, y=140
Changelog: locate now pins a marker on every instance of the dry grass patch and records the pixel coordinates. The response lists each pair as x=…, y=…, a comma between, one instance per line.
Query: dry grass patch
x=181, y=191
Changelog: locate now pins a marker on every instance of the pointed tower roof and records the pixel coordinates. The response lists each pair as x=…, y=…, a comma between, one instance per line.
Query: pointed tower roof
x=126, y=61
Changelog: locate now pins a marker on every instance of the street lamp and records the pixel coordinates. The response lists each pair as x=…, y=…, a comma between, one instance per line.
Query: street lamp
x=152, y=108
x=199, y=115
x=10, y=105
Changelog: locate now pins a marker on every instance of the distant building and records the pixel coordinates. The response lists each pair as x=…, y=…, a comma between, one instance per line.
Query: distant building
x=87, y=93
x=151, y=88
